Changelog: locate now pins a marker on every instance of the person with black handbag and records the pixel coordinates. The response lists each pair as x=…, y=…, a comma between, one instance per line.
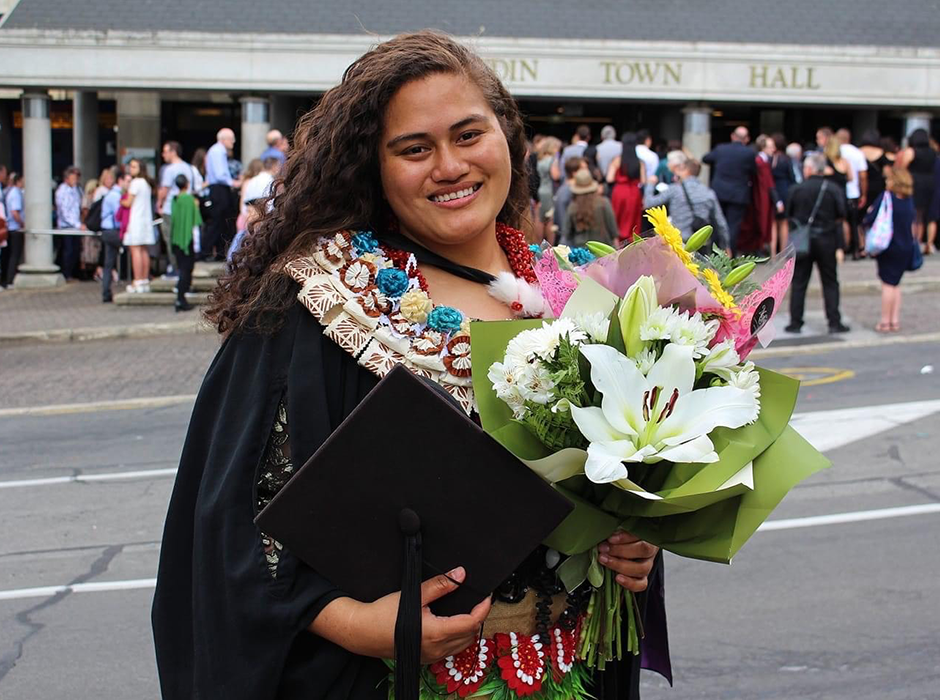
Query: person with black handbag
x=691, y=204
x=815, y=210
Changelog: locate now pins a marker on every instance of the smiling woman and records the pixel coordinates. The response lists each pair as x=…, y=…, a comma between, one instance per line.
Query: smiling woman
x=397, y=209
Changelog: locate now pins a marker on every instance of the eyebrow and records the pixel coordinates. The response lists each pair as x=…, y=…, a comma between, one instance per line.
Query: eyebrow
x=466, y=121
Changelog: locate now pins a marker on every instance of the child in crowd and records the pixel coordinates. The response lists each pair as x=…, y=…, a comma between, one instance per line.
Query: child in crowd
x=186, y=222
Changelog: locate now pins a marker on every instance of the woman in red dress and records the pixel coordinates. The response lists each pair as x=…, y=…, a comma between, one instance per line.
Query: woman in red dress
x=627, y=175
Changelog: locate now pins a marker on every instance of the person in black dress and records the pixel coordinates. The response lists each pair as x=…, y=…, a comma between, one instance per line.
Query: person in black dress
x=894, y=260
x=781, y=167
x=414, y=164
x=921, y=160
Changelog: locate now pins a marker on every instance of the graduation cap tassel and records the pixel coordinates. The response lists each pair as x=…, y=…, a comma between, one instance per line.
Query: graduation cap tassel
x=408, y=623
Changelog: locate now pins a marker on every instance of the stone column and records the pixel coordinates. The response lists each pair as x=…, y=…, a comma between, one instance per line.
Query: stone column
x=138, y=120
x=38, y=268
x=916, y=120
x=85, y=133
x=256, y=122
x=697, y=134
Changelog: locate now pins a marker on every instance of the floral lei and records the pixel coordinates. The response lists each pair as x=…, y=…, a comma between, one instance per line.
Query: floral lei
x=373, y=302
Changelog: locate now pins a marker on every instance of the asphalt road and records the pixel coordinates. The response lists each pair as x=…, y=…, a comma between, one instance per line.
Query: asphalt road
x=844, y=611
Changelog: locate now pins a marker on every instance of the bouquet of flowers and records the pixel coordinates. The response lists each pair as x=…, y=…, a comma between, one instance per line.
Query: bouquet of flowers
x=638, y=404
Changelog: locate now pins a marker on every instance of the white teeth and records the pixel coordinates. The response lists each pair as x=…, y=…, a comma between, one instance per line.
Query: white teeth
x=454, y=195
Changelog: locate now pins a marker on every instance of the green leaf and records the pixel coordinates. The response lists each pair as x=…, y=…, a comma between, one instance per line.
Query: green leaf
x=595, y=573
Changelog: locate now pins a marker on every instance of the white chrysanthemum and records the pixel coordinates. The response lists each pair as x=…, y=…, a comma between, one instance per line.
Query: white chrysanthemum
x=746, y=378
x=506, y=378
x=693, y=331
x=595, y=325
x=645, y=360
x=721, y=360
x=659, y=324
x=541, y=343
x=523, y=348
x=535, y=384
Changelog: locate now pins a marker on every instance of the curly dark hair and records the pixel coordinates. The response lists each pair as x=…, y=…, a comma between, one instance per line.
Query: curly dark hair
x=331, y=180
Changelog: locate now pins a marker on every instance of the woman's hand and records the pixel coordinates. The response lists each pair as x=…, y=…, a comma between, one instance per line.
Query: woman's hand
x=630, y=558
x=368, y=629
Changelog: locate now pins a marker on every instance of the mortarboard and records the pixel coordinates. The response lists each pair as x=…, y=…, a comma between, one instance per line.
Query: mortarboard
x=413, y=488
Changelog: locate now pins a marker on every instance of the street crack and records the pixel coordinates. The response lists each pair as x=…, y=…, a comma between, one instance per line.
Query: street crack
x=9, y=660
x=907, y=486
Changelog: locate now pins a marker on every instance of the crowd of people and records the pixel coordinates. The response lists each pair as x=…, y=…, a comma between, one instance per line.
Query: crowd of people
x=195, y=210
x=583, y=190
x=598, y=191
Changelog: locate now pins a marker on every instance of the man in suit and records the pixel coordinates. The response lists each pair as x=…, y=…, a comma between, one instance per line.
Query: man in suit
x=825, y=239
x=733, y=166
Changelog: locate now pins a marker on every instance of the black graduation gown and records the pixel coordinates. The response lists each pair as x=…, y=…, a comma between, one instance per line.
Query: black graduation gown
x=223, y=626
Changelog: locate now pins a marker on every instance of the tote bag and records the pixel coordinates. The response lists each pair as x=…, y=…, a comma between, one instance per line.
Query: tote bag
x=879, y=236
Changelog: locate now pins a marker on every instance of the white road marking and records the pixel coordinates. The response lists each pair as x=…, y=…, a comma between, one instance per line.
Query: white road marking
x=812, y=521
x=97, y=587
x=81, y=478
x=851, y=517
x=827, y=430
x=118, y=405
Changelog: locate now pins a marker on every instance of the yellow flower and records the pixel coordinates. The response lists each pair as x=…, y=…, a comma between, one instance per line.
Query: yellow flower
x=415, y=306
x=672, y=236
x=720, y=294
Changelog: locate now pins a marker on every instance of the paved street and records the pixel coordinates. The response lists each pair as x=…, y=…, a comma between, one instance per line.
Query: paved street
x=844, y=611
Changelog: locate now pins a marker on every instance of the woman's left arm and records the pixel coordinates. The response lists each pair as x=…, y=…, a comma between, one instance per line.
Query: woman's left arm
x=630, y=558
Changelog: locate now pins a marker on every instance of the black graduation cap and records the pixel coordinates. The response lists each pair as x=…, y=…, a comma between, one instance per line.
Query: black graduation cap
x=405, y=489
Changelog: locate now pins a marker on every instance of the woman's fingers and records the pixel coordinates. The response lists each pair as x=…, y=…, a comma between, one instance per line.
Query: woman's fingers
x=627, y=567
x=636, y=585
x=630, y=558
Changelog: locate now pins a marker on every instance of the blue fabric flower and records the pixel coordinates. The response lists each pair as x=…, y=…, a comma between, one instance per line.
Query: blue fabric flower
x=580, y=256
x=445, y=319
x=392, y=282
x=364, y=242
x=535, y=249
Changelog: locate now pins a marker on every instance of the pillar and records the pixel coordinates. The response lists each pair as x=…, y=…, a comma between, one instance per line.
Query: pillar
x=38, y=268
x=283, y=114
x=85, y=133
x=697, y=133
x=256, y=122
x=138, y=121
x=916, y=120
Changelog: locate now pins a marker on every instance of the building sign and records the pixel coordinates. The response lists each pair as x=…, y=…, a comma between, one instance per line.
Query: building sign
x=515, y=70
x=648, y=75
x=783, y=77
x=641, y=73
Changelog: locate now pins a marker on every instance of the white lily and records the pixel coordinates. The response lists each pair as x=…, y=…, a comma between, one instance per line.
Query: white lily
x=636, y=307
x=656, y=417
